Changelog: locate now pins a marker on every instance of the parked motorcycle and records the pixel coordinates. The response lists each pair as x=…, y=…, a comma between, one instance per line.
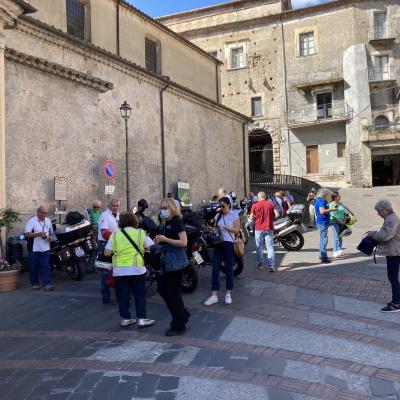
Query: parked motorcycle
x=73, y=247
x=287, y=230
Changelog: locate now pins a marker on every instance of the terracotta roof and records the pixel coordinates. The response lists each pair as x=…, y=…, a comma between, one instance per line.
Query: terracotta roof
x=230, y=26
x=169, y=31
x=58, y=70
x=118, y=59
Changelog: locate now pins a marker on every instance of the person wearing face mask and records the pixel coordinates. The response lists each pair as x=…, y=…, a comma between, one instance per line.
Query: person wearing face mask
x=228, y=223
x=173, y=239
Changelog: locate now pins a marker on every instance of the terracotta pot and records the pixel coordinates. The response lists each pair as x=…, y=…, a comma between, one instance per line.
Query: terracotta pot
x=8, y=281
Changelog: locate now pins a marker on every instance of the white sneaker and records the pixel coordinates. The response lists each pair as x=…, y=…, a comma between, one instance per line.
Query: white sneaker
x=228, y=299
x=335, y=254
x=211, y=300
x=127, y=322
x=143, y=322
x=340, y=254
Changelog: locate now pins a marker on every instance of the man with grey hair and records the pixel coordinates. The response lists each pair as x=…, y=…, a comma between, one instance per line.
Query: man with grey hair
x=39, y=231
x=388, y=238
x=263, y=213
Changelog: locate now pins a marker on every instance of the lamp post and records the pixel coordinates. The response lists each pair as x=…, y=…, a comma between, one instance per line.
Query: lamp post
x=125, y=110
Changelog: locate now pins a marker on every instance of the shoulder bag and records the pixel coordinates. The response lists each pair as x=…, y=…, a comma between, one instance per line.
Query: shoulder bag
x=238, y=245
x=216, y=237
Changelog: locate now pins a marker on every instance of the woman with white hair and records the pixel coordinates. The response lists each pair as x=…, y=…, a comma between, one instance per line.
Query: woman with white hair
x=322, y=213
x=388, y=238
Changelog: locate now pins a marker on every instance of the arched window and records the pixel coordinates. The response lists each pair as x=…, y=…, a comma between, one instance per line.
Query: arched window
x=381, y=123
x=78, y=18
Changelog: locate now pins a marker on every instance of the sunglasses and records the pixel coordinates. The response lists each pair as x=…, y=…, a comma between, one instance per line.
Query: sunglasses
x=223, y=206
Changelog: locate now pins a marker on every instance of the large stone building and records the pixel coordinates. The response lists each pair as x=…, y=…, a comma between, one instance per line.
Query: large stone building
x=66, y=66
x=320, y=82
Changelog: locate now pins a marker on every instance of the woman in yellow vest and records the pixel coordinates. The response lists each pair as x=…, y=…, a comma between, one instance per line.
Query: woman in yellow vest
x=128, y=268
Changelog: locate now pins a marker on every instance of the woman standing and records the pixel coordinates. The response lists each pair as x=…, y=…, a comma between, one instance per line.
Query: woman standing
x=388, y=238
x=173, y=238
x=127, y=247
x=229, y=224
x=337, y=221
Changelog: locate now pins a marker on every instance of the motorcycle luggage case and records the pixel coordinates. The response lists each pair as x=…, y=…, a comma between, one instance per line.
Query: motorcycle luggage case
x=296, y=211
x=69, y=233
x=281, y=223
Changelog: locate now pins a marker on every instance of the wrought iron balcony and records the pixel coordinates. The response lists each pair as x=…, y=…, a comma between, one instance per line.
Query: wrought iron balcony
x=388, y=73
x=378, y=33
x=321, y=114
x=383, y=132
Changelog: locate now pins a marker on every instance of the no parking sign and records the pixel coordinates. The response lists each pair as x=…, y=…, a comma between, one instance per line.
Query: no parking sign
x=109, y=170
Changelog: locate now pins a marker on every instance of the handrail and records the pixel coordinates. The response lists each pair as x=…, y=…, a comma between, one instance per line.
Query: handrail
x=387, y=73
x=382, y=32
x=337, y=110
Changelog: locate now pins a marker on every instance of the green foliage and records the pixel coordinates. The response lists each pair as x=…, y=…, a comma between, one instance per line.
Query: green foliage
x=8, y=217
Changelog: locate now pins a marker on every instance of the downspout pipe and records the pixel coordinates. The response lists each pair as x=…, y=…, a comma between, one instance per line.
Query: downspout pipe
x=244, y=158
x=163, y=167
x=217, y=81
x=118, y=29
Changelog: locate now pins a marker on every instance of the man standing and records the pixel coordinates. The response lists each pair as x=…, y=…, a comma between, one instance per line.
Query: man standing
x=93, y=214
x=108, y=223
x=263, y=213
x=312, y=198
x=39, y=231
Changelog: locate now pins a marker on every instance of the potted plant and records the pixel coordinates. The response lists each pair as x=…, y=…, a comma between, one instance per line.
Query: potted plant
x=8, y=276
x=8, y=273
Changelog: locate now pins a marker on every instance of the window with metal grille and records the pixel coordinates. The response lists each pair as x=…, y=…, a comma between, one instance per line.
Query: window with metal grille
x=237, y=58
x=256, y=107
x=151, y=56
x=76, y=18
x=306, y=42
x=341, y=149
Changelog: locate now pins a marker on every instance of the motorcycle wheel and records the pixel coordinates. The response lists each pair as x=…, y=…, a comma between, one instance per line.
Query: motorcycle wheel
x=293, y=242
x=76, y=270
x=190, y=279
x=238, y=266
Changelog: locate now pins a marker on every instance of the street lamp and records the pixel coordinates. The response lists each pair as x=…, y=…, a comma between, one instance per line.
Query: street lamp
x=126, y=110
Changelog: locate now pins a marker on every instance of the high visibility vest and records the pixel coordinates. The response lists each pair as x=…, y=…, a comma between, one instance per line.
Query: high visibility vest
x=124, y=254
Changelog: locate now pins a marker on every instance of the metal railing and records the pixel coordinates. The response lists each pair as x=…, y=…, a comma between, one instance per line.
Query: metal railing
x=323, y=113
x=382, y=32
x=388, y=73
x=384, y=128
x=283, y=182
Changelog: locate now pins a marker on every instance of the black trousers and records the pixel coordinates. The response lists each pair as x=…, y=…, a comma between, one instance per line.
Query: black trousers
x=393, y=263
x=169, y=288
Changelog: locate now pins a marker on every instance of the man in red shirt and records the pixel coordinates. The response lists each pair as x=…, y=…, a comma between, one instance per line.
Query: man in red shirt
x=263, y=213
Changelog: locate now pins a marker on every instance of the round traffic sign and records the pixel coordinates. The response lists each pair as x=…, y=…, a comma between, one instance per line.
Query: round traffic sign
x=109, y=170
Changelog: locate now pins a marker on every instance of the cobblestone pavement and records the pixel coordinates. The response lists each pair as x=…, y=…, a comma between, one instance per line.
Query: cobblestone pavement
x=305, y=332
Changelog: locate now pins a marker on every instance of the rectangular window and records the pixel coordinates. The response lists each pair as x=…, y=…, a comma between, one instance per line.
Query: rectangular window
x=76, y=18
x=237, y=58
x=151, y=56
x=341, y=149
x=213, y=54
x=256, y=107
x=324, y=105
x=306, y=44
x=381, y=70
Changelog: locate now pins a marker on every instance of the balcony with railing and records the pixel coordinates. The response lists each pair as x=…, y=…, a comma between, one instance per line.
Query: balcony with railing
x=382, y=33
x=321, y=114
x=382, y=74
x=383, y=132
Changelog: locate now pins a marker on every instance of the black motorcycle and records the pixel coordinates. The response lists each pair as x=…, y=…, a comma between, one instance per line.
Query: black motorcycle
x=72, y=249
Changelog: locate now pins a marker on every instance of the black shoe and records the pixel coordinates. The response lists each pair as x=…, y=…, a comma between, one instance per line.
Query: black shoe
x=260, y=266
x=325, y=261
x=108, y=302
x=187, y=316
x=391, y=307
x=173, y=332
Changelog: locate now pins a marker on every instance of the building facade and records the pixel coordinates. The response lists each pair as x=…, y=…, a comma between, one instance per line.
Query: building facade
x=321, y=83
x=67, y=66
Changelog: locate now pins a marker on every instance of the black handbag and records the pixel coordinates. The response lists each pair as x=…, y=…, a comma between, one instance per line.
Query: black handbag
x=216, y=237
x=368, y=246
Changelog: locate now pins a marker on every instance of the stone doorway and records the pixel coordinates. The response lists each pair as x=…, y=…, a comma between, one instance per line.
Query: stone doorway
x=261, y=152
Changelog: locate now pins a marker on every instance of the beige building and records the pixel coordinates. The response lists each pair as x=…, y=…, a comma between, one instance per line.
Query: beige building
x=66, y=66
x=321, y=83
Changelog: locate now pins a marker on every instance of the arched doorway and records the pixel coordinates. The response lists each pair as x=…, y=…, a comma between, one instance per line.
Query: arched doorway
x=261, y=157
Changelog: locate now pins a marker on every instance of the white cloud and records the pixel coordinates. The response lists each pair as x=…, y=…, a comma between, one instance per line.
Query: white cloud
x=307, y=3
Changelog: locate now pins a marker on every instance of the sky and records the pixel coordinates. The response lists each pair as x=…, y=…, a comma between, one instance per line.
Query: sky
x=156, y=8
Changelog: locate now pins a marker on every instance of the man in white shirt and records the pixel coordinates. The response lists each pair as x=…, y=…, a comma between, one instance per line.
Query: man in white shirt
x=108, y=223
x=39, y=231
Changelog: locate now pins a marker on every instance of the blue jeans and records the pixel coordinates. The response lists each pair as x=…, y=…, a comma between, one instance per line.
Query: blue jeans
x=337, y=240
x=323, y=241
x=223, y=252
x=393, y=263
x=265, y=238
x=124, y=286
x=39, y=260
x=105, y=289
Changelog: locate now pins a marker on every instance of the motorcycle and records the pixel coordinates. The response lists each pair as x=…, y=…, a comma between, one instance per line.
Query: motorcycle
x=73, y=247
x=287, y=230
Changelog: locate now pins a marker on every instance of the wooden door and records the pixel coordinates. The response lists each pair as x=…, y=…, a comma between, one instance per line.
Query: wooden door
x=312, y=159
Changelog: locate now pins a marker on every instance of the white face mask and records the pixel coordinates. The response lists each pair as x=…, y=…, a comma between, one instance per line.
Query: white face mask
x=165, y=214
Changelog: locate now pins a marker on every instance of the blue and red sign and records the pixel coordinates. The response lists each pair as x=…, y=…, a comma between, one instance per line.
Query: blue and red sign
x=109, y=170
